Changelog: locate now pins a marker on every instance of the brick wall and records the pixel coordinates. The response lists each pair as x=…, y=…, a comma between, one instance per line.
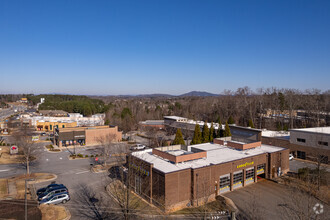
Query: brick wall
x=93, y=136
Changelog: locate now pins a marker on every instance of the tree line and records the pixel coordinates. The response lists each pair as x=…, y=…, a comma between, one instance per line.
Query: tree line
x=244, y=106
x=70, y=103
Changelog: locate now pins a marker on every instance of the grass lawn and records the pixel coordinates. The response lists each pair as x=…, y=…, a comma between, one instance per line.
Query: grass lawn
x=53, y=212
x=3, y=187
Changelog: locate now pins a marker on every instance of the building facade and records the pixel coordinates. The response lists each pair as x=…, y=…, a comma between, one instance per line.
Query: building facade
x=86, y=135
x=306, y=143
x=50, y=126
x=176, y=177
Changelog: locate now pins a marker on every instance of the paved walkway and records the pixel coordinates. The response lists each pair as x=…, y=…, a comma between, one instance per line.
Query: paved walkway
x=12, y=191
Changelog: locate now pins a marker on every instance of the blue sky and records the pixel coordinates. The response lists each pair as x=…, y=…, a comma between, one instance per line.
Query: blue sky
x=162, y=46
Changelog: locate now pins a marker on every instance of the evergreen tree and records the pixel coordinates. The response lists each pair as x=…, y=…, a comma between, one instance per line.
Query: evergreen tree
x=231, y=120
x=227, y=131
x=205, y=133
x=178, y=138
x=197, y=139
x=251, y=123
x=212, y=133
x=219, y=129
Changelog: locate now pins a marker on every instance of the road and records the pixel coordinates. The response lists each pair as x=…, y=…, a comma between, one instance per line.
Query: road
x=297, y=164
x=75, y=174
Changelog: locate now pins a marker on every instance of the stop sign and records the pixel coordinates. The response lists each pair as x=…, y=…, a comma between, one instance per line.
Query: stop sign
x=96, y=158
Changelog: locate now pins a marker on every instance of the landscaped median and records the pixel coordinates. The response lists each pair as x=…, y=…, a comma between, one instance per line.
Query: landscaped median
x=6, y=158
x=51, y=148
x=54, y=212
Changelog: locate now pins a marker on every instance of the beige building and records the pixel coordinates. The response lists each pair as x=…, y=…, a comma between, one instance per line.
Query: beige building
x=86, y=135
x=50, y=126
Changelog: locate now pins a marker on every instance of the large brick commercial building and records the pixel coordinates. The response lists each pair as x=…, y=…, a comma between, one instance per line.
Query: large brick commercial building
x=177, y=176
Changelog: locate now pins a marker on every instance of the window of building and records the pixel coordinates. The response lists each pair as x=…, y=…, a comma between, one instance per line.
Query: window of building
x=323, y=143
x=302, y=140
x=50, y=127
x=63, y=126
x=261, y=168
x=249, y=174
x=225, y=182
x=301, y=154
x=238, y=177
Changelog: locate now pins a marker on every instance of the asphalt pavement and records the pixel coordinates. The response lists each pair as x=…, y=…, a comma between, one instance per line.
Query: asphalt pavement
x=75, y=174
x=296, y=164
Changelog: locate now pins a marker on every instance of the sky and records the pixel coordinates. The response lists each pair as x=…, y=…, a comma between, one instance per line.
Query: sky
x=162, y=46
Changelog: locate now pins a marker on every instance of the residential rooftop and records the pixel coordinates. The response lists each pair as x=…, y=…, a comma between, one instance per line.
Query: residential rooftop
x=215, y=154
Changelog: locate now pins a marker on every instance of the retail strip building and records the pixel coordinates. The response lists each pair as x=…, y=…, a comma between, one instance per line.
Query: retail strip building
x=178, y=176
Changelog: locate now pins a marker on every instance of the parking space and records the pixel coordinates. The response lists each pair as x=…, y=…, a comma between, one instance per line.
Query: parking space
x=270, y=200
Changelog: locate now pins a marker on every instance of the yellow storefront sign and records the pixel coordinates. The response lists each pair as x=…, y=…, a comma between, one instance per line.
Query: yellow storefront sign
x=245, y=164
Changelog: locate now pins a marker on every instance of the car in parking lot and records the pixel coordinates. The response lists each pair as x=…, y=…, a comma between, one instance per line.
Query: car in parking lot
x=52, y=191
x=138, y=147
x=291, y=157
x=56, y=199
x=50, y=186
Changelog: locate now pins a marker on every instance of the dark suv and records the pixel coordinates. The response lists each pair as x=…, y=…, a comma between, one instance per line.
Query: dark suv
x=51, y=191
x=53, y=185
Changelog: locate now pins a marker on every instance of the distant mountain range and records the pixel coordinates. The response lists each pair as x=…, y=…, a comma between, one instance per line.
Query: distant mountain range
x=198, y=93
x=189, y=94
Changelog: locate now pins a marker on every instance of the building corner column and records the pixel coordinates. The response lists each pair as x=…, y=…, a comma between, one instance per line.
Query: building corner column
x=150, y=172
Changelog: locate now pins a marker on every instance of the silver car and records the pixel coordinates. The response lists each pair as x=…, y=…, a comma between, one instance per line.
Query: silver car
x=56, y=199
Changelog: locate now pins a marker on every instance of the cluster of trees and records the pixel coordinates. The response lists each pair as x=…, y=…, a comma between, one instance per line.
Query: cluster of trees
x=70, y=103
x=205, y=136
x=244, y=107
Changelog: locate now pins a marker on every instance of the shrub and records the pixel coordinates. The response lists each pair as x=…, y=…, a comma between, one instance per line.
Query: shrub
x=96, y=155
x=92, y=155
x=80, y=155
x=86, y=155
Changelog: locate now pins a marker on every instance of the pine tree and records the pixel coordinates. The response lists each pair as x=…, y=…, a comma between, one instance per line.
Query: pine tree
x=197, y=139
x=178, y=138
x=227, y=131
x=219, y=129
x=251, y=125
x=205, y=133
x=231, y=120
x=212, y=133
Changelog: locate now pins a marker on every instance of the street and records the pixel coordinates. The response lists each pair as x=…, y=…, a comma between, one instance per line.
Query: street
x=74, y=174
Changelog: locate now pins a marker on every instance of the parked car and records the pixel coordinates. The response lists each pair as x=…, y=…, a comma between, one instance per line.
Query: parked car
x=56, y=199
x=138, y=147
x=53, y=185
x=291, y=157
x=52, y=191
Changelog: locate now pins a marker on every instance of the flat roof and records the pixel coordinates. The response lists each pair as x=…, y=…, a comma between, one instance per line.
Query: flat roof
x=175, y=117
x=216, y=154
x=323, y=130
x=269, y=133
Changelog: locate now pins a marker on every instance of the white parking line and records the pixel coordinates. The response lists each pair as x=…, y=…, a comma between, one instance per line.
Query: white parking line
x=83, y=172
x=4, y=170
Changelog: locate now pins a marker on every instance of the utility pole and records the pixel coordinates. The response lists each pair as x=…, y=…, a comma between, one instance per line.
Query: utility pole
x=25, y=201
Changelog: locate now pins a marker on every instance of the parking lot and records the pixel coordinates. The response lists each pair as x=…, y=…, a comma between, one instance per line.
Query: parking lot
x=269, y=200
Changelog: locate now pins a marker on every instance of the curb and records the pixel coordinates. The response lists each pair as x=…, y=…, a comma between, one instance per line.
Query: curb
x=40, y=181
x=60, y=150
x=68, y=214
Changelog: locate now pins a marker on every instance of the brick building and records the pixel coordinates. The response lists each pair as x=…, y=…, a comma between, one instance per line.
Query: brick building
x=85, y=135
x=178, y=176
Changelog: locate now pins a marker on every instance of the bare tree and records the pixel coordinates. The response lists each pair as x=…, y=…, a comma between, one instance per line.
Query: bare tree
x=26, y=146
